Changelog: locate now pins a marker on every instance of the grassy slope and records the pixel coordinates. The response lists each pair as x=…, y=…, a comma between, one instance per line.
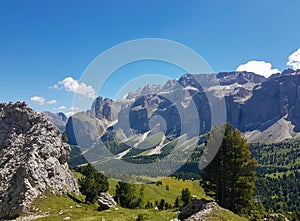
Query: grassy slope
x=51, y=205
x=153, y=192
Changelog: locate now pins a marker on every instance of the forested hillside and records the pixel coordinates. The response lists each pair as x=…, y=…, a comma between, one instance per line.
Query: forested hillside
x=278, y=176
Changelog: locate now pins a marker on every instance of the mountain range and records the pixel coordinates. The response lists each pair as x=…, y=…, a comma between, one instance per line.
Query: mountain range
x=265, y=110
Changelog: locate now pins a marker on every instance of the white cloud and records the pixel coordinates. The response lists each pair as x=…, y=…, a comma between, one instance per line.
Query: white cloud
x=72, y=85
x=69, y=114
x=294, y=60
x=52, y=102
x=38, y=99
x=258, y=67
x=62, y=108
x=74, y=108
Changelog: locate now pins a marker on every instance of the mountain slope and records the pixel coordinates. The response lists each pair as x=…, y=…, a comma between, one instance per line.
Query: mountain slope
x=58, y=119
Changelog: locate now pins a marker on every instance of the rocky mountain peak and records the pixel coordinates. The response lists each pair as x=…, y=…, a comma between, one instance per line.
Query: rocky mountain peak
x=102, y=108
x=148, y=89
x=189, y=80
x=33, y=158
x=288, y=71
x=240, y=77
x=58, y=119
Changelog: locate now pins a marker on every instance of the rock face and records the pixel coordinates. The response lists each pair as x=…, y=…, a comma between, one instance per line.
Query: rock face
x=106, y=201
x=239, y=77
x=194, y=207
x=275, y=100
x=200, y=210
x=102, y=108
x=58, y=119
x=266, y=110
x=33, y=159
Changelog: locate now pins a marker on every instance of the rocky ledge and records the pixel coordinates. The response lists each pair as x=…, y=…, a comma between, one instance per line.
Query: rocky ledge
x=106, y=201
x=33, y=159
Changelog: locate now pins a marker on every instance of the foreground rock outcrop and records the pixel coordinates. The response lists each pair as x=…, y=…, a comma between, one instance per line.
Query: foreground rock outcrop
x=106, y=201
x=202, y=210
x=33, y=159
x=193, y=208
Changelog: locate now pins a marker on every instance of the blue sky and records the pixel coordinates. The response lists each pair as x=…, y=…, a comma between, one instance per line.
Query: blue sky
x=44, y=42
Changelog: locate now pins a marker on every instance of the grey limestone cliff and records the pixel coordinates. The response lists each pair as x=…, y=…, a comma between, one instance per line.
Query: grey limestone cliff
x=33, y=159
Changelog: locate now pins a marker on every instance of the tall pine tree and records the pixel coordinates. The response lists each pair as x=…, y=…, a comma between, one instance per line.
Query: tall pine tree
x=231, y=174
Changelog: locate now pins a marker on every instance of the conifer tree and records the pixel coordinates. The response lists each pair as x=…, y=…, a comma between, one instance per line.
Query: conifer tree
x=92, y=183
x=186, y=196
x=231, y=174
x=129, y=195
